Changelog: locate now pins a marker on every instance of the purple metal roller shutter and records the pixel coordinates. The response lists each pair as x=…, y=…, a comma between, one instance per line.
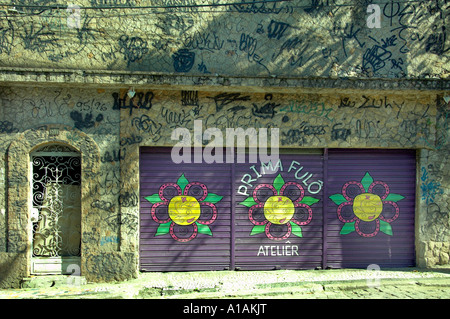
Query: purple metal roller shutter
x=282, y=240
x=169, y=242
x=370, y=208
x=253, y=217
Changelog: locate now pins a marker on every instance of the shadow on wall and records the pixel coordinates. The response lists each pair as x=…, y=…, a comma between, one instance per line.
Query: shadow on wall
x=9, y=264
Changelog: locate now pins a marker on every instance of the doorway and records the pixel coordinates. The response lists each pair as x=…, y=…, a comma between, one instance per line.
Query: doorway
x=56, y=210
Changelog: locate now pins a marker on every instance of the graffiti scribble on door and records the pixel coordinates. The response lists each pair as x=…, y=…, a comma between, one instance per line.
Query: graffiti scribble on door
x=366, y=207
x=184, y=209
x=279, y=209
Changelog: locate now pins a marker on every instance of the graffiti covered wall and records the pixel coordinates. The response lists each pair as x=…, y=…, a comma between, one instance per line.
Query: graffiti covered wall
x=297, y=38
x=66, y=73
x=117, y=126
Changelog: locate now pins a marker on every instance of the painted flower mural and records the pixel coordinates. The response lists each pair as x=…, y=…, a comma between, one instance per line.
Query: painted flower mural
x=279, y=209
x=366, y=207
x=184, y=209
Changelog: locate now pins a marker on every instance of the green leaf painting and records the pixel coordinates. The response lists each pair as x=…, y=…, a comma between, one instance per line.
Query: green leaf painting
x=203, y=229
x=278, y=183
x=258, y=229
x=296, y=229
x=308, y=200
x=386, y=228
x=394, y=197
x=154, y=198
x=338, y=199
x=182, y=182
x=366, y=181
x=347, y=228
x=248, y=202
x=163, y=229
x=212, y=198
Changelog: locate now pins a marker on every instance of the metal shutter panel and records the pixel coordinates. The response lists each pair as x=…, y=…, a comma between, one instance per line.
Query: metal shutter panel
x=170, y=247
x=265, y=249
x=358, y=241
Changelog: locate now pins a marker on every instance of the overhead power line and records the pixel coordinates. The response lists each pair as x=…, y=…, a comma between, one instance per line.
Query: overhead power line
x=65, y=6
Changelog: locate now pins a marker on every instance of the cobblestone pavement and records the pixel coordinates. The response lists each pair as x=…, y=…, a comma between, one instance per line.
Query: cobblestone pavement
x=282, y=284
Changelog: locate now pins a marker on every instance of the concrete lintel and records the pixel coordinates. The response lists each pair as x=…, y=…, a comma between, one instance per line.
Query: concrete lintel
x=177, y=81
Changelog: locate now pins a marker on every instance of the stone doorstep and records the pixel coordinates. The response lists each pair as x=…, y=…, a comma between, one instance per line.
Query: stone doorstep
x=49, y=281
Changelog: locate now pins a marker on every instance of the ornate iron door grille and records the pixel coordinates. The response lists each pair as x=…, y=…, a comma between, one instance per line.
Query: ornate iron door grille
x=56, y=201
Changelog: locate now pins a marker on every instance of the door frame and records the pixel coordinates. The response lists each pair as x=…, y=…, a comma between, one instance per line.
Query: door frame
x=53, y=265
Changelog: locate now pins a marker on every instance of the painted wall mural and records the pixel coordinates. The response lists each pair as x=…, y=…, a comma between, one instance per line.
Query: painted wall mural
x=367, y=207
x=282, y=204
x=184, y=209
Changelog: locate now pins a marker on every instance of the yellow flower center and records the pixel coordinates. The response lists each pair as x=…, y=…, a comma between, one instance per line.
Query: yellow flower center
x=184, y=210
x=367, y=206
x=278, y=209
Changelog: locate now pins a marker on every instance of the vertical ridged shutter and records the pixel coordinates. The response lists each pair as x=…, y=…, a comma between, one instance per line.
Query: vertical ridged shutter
x=287, y=245
x=362, y=214
x=168, y=246
x=387, y=239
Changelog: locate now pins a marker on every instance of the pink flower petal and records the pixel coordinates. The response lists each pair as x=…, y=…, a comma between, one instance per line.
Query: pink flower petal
x=341, y=218
x=397, y=212
x=386, y=187
x=153, y=212
x=302, y=191
x=166, y=185
x=250, y=215
x=375, y=232
x=214, y=216
x=183, y=240
x=261, y=186
x=346, y=185
x=205, y=190
x=310, y=213
x=285, y=236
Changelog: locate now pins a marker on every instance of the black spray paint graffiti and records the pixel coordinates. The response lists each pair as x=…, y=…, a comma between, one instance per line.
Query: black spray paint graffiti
x=86, y=122
x=146, y=124
x=249, y=44
x=175, y=118
x=6, y=38
x=435, y=43
x=103, y=205
x=267, y=110
x=133, y=139
x=114, y=156
x=224, y=99
x=276, y=29
x=340, y=133
x=298, y=136
x=139, y=101
x=189, y=98
x=128, y=199
x=204, y=41
x=183, y=60
x=375, y=58
x=293, y=50
x=133, y=49
x=263, y=7
x=39, y=40
x=7, y=127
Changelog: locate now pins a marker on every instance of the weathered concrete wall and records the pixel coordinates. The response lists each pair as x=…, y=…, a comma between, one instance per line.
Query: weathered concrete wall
x=108, y=128
x=434, y=195
x=319, y=38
